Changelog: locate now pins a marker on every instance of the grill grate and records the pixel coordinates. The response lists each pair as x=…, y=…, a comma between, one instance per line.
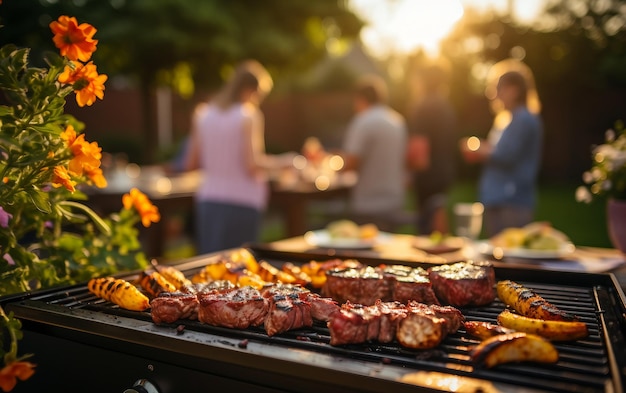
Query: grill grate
x=584, y=365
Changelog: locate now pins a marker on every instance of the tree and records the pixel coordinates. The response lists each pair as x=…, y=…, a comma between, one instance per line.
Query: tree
x=188, y=43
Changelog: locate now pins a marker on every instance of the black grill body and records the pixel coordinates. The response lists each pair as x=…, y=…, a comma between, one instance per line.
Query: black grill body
x=81, y=342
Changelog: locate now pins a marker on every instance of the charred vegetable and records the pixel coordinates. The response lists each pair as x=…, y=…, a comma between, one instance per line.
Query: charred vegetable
x=527, y=303
x=514, y=348
x=485, y=330
x=120, y=292
x=552, y=330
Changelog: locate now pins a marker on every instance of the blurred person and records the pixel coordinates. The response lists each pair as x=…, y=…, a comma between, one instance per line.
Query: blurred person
x=227, y=144
x=374, y=147
x=433, y=123
x=511, y=154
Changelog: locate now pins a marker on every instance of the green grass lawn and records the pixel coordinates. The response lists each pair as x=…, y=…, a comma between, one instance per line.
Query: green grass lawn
x=584, y=223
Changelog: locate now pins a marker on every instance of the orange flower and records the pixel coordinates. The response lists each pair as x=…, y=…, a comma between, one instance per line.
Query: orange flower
x=62, y=178
x=87, y=157
x=97, y=177
x=14, y=371
x=73, y=40
x=86, y=82
x=147, y=211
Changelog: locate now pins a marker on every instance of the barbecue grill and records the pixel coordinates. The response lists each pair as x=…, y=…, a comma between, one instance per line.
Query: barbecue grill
x=83, y=343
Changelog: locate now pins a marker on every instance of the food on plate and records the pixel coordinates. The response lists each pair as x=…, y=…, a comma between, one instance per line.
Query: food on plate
x=528, y=303
x=367, y=284
x=463, y=283
x=414, y=325
x=277, y=307
x=120, y=292
x=484, y=330
x=549, y=329
x=438, y=243
x=348, y=229
x=514, y=348
x=534, y=236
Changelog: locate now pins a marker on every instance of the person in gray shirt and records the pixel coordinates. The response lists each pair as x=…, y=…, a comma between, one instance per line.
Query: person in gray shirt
x=374, y=146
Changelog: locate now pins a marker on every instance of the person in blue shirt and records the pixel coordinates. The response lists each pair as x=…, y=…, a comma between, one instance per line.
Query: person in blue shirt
x=511, y=158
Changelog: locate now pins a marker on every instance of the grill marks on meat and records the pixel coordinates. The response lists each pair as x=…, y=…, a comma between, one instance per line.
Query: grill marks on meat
x=238, y=308
x=286, y=313
x=169, y=307
x=464, y=283
x=278, y=307
x=413, y=325
x=368, y=284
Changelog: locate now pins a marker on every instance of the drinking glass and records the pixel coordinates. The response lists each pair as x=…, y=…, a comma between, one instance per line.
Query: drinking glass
x=468, y=219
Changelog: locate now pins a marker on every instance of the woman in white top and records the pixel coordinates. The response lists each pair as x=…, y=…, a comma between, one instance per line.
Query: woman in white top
x=227, y=144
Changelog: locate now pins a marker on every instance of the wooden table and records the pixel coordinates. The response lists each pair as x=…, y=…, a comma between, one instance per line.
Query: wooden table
x=293, y=202
x=400, y=248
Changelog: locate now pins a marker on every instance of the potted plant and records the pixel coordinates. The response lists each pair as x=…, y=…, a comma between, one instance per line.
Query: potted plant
x=607, y=178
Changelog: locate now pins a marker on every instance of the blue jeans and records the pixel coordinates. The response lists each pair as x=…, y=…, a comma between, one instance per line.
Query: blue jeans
x=221, y=226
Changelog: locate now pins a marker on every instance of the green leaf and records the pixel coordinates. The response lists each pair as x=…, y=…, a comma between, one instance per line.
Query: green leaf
x=98, y=221
x=40, y=199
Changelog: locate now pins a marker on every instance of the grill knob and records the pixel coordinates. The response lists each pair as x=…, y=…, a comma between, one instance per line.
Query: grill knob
x=142, y=386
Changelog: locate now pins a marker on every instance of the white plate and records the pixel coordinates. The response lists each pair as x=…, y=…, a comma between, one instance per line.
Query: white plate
x=321, y=238
x=487, y=248
x=448, y=244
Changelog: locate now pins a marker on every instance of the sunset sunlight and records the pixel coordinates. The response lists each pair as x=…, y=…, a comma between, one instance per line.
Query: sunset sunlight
x=403, y=26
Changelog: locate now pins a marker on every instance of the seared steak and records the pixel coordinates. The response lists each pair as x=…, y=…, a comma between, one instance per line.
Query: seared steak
x=321, y=307
x=238, y=308
x=464, y=283
x=287, y=313
x=410, y=284
x=169, y=307
x=358, y=285
x=414, y=325
x=368, y=284
x=278, y=307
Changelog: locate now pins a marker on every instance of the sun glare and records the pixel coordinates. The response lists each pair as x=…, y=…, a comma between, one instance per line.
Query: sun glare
x=402, y=26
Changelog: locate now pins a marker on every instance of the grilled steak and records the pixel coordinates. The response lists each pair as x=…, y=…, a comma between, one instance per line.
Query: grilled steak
x=410, y=284
x=170, y=307
x=238, y=308
x=421, y=331
x=414, y=325
x=464, y=283
x=452, y=316
x=279, y=307
x=287, y=313
x=357, y=285
x=368, y=284
x=321, y=307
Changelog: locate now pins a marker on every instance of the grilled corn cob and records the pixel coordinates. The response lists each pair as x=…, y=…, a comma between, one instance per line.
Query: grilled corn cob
x=120, y=292
x=527, y=303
